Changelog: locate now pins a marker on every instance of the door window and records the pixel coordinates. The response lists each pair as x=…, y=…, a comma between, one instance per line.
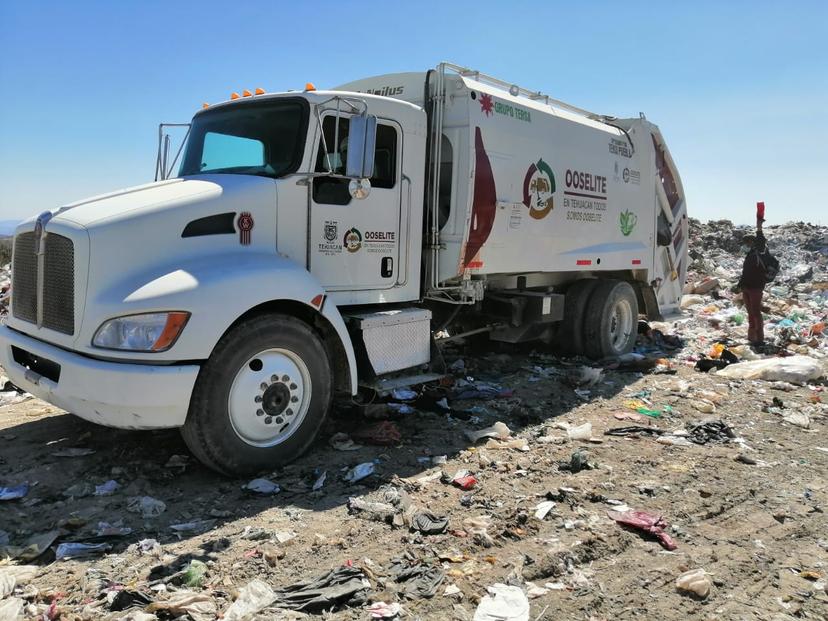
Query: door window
x=331, y=191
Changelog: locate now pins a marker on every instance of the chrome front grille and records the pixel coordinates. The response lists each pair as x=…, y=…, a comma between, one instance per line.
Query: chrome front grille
x=57, y=304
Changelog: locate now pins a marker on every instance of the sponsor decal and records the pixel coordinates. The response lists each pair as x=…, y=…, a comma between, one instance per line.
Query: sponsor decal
x=489, y=106
x=620, y=147
x=538, y=188
x=486, y=105
x=632, y=176
x=585, y=198
x=245, y=224
x=330, y=234
x=627, y=221
x=352, y=240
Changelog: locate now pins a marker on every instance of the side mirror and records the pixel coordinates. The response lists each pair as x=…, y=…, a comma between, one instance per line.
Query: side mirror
x=362, y=140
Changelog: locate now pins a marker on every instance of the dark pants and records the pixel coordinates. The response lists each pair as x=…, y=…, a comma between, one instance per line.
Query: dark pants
x=753, y=304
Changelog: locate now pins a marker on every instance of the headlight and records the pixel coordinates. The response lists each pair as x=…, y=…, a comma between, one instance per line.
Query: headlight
x=150, y=332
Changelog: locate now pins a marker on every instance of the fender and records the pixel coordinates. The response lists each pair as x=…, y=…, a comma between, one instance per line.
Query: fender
x=216, y=290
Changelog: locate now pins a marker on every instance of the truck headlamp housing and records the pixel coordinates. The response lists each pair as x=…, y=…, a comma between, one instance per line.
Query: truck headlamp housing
x=150, y=332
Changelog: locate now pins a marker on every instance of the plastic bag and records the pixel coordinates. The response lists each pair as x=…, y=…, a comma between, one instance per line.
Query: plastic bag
x=795, y=369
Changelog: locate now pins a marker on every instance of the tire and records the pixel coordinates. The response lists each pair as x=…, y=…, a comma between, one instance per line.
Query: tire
x=571, y=329
x=280, y=366
x=610, y=320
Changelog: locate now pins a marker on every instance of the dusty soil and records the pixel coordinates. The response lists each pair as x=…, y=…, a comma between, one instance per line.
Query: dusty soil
x=759, y=529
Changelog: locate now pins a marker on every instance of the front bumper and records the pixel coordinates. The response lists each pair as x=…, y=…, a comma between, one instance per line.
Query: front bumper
x=115, y=394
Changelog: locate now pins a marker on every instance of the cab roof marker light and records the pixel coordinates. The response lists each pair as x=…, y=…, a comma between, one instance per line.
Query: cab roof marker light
x=309, y=86
x=259, y=91
x=234, y=96
x=205, y=105
x=246, y=93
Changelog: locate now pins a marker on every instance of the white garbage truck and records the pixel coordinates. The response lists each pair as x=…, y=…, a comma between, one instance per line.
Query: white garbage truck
x=308, y=244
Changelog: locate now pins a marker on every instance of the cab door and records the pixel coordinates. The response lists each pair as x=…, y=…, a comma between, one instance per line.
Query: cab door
x=354, y=244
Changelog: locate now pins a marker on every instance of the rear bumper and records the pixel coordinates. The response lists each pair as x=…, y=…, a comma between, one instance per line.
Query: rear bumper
x=115, y=394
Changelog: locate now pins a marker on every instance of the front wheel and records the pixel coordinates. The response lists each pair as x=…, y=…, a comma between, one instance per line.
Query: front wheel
x=261, y=397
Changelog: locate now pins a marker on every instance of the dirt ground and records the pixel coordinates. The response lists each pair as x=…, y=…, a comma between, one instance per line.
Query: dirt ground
x=758, y=529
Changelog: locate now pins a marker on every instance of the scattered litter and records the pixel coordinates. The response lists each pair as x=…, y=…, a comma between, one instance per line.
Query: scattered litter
x=320, y=481
x=147, y=506
x=382, y=610
x=79, y=490
x=359, y=472
x=646, y=522
x=404, y=394
x=542, y=509
x=415, y=580
x=73, y=452
x=344, y=585
x=503, y=603
x=265, y=487
x=200, y=606
x=428, y=523
x=581, y=432
x=799, y=419
x=194, y=574
x=694, y=581
x=14, y=492
x=78, y=550
x=343, y=442
x=106, y=489
x=793, y=369
x=499, y=431
x=105, y=529
x=383, y=433
x=253, y=598
x=464, y=480
x=710, y=431
x=196, y=526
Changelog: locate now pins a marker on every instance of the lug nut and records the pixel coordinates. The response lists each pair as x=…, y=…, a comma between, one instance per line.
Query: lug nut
x=257, y=399
x=294, y=399
x=293, y=386
x=279, y=420
x=285, y=378
x=289, y=412
x=263, y=385
x=268, y=420
x=259, y=412
x=274, y=378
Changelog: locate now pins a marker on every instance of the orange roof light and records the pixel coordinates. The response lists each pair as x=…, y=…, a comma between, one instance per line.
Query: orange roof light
x=205, y=105
x=260, y=91
x=246, y=93
x=234, y=95
x=309, y=86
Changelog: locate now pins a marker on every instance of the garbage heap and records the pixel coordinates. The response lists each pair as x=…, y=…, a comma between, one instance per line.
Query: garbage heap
x=5, y=288
x=795, y=305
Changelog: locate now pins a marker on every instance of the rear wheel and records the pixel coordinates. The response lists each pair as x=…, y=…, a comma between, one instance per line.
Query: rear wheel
x=261, y=397
x=572, y=327
x=611, y=320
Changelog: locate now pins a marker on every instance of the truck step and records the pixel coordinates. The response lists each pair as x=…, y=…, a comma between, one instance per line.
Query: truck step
x=384, y=385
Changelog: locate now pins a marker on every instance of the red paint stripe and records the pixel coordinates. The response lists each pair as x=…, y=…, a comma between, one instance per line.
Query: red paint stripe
x=583, y=262
x=636, y=262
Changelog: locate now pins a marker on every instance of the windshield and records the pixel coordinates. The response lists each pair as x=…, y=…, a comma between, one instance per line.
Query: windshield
x=264, y=138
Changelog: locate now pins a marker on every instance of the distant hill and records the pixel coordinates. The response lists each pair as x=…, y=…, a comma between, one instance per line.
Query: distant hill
x=7, y=227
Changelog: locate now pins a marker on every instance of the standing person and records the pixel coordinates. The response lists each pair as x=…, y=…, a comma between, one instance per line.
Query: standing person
x=752, y=283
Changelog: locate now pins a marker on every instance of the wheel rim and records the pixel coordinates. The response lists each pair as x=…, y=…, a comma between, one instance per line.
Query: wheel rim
x=621, y=324
x=269, y=397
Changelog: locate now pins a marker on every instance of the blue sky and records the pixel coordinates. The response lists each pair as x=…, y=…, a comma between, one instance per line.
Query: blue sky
x=739, y=90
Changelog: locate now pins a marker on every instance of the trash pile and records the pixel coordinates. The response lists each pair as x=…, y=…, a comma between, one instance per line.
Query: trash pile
x=5, y=288
x=795, y=305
